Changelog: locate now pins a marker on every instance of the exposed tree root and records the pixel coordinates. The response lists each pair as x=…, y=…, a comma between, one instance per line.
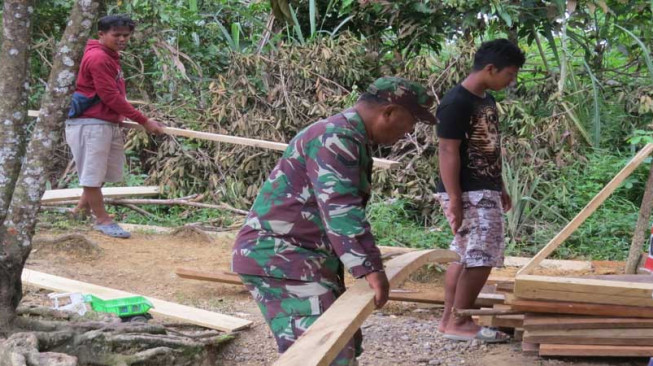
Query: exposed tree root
x=74, y=341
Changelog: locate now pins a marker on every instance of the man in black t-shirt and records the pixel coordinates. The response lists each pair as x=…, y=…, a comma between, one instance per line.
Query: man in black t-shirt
x=471, y=189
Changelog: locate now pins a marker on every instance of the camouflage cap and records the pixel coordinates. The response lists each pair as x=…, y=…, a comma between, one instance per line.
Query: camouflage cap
x=407, y=94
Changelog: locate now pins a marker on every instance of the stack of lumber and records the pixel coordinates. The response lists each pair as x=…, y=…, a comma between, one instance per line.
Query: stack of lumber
x=610, y=316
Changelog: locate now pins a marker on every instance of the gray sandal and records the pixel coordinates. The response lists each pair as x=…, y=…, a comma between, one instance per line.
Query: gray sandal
x=485, y=334
x=113, y=230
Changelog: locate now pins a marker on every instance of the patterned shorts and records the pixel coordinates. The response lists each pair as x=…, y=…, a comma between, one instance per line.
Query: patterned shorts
x=480, y=240
x=290, y=307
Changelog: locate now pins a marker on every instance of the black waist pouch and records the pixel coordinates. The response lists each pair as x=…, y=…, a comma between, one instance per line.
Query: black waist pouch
x=80, y=103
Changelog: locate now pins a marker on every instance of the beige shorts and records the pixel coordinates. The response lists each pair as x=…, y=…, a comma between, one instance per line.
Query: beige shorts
x=98, y=150
x=480, y=239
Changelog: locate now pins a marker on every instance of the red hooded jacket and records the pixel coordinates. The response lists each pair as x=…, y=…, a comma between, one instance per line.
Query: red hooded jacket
x=100, y=74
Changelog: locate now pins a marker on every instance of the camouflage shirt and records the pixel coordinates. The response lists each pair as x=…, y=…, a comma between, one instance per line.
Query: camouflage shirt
x=310, y=213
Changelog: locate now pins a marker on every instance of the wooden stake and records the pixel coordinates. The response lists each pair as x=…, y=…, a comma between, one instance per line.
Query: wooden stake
x=639, y=237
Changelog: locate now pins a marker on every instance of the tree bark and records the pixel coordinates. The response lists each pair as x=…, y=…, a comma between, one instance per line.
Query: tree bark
x=18, y=227
x=13, y=89
x=639, y=237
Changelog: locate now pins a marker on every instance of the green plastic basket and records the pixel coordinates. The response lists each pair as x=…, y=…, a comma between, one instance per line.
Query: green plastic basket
x=123, y=307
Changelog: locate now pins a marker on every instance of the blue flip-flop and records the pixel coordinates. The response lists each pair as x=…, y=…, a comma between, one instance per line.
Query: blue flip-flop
x=113, y=230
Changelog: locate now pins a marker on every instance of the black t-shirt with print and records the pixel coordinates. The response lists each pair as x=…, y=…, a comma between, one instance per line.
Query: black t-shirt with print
x=473, y=120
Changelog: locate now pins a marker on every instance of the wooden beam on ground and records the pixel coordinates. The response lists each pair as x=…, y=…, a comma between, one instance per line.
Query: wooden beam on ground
x=427, y=297
x=214, y=276
x=583, y=290
x=560, y=322
x=613, y=337
x=332, y=330
x=565, y=307
x=279, y=146
x=587, y=210
x=594, y=350
x=58, y=195
x=179, y=312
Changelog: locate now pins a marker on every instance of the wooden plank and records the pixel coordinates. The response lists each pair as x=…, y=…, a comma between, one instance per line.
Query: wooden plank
x=565, y=307
x=587, y=210
x=214, y=276
x=333, y=329
x=179, y=312
x=582, y=285
x=548, y=322
x=518, y=335
x=427, y=297
x=594, y=351
x=561, y=264
x=501, y=321
x=584, y=297
x=279, y=146
x=493, y=311
x=614, y=337
x=58, y=195
x=529, y=348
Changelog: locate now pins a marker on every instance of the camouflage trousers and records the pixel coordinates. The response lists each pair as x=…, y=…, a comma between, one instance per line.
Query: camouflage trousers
x=479, y=241
x=290, y=307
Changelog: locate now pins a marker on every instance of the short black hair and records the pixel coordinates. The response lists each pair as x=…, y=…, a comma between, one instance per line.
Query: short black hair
x=500, y=53
x=115, y=21
x=372, y=99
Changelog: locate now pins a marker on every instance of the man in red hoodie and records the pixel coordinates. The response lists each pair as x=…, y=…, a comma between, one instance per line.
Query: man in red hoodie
x=98, y=107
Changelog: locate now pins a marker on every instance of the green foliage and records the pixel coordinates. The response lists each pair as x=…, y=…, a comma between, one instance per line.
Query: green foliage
x=395, y=223
x=607, y=233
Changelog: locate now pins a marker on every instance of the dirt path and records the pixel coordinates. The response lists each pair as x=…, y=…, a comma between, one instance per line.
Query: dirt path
x=400, y=334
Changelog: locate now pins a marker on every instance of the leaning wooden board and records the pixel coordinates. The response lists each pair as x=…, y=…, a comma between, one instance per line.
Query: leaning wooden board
x=57, y=195
x=587, y=210
x=333, y=329
x=180, y=312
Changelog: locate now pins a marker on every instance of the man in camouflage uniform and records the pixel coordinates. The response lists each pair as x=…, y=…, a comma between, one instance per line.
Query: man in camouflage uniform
x=308, y=222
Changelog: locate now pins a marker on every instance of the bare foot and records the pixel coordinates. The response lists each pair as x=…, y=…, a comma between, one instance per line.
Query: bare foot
x=442, y=327
x=466, y=327
x=80, y=214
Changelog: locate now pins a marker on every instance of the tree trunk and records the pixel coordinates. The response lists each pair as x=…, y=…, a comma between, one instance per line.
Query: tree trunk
x=641, y=228
x=13, y=89
x=18, y=227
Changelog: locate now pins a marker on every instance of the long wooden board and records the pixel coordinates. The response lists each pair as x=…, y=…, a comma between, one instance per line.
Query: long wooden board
x=587, y=210
x=584, y=297
x=280, y=146
x=594, y=351
x=180, y=312
x=559, y=322
x=333, y=329
x=565, y=307
x=427, y=297
x=614, y=337
x=526, y=283
x=57, y=195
